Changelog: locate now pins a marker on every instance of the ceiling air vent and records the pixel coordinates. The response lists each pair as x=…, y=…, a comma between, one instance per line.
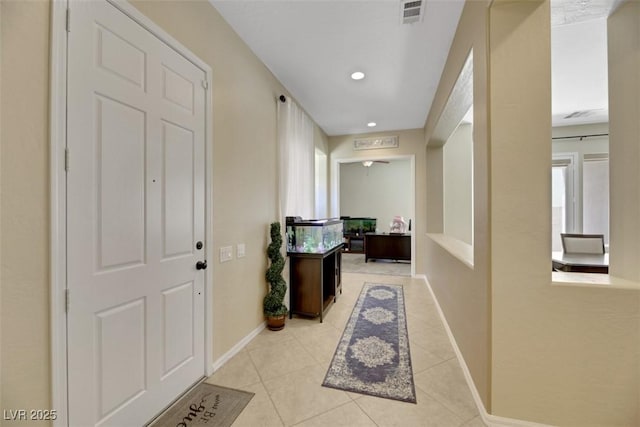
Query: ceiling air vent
x=411, y=11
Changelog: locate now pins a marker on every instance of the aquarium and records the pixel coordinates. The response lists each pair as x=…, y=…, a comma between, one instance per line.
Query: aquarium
x=359, y=226
x=315, y=236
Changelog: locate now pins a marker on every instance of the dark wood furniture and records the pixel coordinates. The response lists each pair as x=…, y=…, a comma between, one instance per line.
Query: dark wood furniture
x=580, y=263
x=393, y=246
x=354, y=243
x=314, y=282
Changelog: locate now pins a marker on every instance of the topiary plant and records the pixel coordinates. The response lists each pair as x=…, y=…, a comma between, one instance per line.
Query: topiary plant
x=273, y=301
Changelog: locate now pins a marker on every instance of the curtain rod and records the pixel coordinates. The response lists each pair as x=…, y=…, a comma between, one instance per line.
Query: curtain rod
x=580, y=136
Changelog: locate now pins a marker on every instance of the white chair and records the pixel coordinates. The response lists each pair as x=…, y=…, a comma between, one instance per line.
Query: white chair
x=582, y=243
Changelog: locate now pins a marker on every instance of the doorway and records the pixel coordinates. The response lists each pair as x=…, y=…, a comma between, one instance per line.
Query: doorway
x=382, y=224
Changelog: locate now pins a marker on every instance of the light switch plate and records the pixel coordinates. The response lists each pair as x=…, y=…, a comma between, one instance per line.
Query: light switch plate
x=226, y=253
x=240, y=250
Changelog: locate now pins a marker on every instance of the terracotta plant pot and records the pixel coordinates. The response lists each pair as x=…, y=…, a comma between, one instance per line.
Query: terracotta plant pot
x=275, y=323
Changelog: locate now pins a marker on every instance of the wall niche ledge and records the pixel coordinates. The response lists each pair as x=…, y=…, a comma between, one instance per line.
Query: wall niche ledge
x=456, y=247
x=591, y=280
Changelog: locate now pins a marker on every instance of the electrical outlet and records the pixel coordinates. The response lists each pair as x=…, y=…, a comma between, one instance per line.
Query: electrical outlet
x=226, y=253
x=240, y=250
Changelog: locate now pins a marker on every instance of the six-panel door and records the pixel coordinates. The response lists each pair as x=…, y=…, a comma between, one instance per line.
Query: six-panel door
x=135, y=206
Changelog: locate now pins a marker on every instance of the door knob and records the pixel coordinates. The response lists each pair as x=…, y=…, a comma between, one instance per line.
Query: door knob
x=201, y=265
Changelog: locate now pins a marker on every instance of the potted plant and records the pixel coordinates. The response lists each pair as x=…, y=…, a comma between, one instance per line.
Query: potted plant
x=274, y=309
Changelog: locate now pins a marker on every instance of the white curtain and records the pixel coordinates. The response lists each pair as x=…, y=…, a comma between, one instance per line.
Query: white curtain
x=296, y=161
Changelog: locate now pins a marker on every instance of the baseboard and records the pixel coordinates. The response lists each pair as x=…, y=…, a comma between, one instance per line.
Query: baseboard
x=218, y=363
x=489, y=419
x=495, y=421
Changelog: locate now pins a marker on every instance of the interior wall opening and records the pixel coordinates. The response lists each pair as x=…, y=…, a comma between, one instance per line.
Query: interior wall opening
x=580, y=132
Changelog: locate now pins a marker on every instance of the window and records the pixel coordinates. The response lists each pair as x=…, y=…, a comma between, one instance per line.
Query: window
x=321, y=208
x=562, y=197
x=595, y=195
x=575, y=211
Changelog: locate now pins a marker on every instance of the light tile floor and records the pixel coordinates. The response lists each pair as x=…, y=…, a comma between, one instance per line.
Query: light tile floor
x=285, y=370
x=355, y=263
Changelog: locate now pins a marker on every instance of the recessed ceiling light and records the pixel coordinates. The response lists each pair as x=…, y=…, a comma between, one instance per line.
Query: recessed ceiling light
x=372, y=124
x=358, y=75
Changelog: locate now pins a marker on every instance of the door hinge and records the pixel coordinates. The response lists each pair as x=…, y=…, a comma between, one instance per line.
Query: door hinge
x=66, y=160
x=66, y=300
x=68, y=21
x=205, y=84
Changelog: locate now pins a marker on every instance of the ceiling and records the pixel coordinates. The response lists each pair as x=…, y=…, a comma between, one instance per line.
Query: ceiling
x=313, y=46
x=579, y=85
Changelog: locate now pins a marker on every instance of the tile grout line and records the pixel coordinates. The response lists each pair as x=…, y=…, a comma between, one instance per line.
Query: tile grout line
x=275, y=408
x=365, y=412
x=326, y=412
x=296, y=335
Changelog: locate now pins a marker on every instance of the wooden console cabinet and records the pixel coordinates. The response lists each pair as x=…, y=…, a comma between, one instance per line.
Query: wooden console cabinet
x=387, y=246
x=314, y=282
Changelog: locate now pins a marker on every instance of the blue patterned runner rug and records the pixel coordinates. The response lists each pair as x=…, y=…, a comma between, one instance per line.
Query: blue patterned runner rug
x=373, y=354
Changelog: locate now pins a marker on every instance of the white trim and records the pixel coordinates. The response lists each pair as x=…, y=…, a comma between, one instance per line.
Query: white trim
x=573, y=189
x=58, y=121
x=495, y=421
x=58, y=255
x=489, y=419
x=0, y=190
x=209, y=252
x=238, y=347
x=335, y=191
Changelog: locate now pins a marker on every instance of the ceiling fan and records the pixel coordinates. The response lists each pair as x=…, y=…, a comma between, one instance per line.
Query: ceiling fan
x=368, y=163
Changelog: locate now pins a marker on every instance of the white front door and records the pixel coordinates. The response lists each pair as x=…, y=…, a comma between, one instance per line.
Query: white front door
x=135, y=212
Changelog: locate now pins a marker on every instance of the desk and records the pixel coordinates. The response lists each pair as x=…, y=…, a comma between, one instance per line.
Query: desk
x=387, y=246
x=580, y=263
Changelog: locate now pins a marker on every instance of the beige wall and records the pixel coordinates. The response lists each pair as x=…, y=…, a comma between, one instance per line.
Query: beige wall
x=561, y=355
x=549, y=352
x=411, y=143
x=624, y=139
x=24, y=205
x=1, y=34
x=380, y=191
x=244, y=182
x=462, y=291
x=321, y=142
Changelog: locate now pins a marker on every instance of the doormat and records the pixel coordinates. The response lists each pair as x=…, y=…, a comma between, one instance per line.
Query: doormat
x=373, y=354
x=206, y=405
